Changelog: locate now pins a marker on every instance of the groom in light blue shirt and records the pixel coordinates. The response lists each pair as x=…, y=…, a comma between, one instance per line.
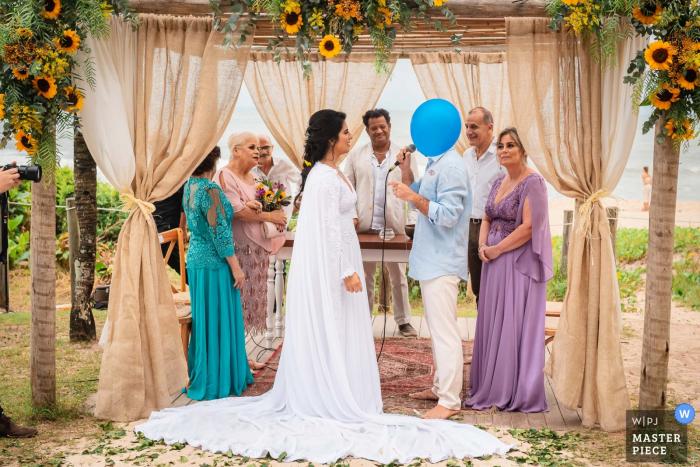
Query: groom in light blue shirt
x=439, y=260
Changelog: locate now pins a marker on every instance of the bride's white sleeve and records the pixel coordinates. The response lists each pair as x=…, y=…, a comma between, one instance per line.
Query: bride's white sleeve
x=331, y=219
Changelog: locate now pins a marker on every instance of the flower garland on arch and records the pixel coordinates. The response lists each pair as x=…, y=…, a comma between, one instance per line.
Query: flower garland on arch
x=41, y=96
x=331, y=26
x=664, y=75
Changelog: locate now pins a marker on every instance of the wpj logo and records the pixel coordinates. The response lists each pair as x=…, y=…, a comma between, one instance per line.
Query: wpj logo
x=658, y=435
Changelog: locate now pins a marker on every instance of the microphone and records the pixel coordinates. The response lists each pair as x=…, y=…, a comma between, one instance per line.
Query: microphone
x=411, y=148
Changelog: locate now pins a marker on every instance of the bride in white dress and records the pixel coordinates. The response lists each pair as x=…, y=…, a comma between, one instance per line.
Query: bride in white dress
x=326, y=402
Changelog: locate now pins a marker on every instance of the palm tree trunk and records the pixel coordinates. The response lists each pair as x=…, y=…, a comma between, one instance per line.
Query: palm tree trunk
x=43, y=292
x=657, y=313
x=82, y=322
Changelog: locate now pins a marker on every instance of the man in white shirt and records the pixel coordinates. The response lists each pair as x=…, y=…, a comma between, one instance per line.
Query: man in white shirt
x=483, y=167
x=278, y=170
x=367, y=168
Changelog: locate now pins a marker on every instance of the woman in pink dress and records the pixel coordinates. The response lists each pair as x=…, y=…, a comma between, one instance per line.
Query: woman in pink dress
x=253, y=249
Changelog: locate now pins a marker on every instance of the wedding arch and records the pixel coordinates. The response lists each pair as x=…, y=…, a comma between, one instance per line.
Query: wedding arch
x=575, y=117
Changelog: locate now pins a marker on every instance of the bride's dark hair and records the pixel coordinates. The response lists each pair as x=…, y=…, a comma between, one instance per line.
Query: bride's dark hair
x=321, y=135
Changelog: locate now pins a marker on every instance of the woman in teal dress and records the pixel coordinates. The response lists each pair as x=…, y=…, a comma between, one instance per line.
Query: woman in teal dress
x=218, y=365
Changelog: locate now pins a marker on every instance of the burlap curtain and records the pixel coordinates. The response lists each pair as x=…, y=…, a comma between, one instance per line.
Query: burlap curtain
x=579, y=134
x=467, y=80
x=285, y=100
x=187, y=86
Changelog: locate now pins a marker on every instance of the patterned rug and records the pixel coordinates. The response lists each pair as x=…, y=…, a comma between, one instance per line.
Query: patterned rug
x=406, y=366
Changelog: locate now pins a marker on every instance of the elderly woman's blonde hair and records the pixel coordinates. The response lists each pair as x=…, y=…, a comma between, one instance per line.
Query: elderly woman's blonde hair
x=239, y=139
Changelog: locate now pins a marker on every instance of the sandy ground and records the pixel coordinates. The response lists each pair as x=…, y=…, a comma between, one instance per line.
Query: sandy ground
x=684, y=355
x=631, y=215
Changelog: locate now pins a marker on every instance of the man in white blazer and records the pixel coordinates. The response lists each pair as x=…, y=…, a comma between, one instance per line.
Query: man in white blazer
x=367, y=168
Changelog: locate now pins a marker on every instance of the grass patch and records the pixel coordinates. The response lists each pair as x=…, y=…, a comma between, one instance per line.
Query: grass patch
x=77, y=364
x=632, y=243
x=686, y=282
x=630, y=281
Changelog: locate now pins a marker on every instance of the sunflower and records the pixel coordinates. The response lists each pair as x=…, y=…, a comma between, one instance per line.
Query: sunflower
x=21, y=73
x=291, y=20
x=75, y=99
x=663, y=98
x=25, y=32
x=387, y=15
x=671, y=131
x=2, y=106
x=647, y=12
x=689, y=134
x=688, y=78
x=329, y=46
x=69, y=43
x=45, y=85
x=51, y=9
x=25, y=142
x=659, y=55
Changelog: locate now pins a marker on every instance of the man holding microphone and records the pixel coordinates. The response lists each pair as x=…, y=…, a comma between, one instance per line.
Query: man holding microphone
x=439, y=260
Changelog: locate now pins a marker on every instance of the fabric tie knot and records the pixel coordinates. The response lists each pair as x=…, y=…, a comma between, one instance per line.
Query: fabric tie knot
x=586, y=210
x=130, y=201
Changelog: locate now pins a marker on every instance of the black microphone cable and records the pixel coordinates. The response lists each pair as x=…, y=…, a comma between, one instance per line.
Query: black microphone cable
x=386, y=189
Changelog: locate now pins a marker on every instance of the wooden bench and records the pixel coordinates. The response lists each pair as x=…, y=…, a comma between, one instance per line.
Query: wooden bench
x=553, y=310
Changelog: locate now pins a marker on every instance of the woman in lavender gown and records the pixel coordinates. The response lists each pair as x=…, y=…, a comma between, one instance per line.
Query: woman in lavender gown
x=516, y=248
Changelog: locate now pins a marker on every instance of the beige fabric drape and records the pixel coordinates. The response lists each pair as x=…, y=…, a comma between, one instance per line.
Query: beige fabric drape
x=187, y=86
x=555, y=87
x=467, y=80
x=286, y=101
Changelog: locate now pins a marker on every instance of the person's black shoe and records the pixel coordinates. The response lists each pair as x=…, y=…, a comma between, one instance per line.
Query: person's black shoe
x=407, y=330
x=9, y=429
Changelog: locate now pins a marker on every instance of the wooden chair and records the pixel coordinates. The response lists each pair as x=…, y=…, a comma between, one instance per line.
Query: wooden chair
x=553, y=311
x=181, y=297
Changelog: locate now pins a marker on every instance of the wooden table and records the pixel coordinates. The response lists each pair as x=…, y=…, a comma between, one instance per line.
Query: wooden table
x=396, y=250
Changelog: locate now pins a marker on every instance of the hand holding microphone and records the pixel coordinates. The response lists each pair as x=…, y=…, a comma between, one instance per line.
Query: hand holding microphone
x=403, y=159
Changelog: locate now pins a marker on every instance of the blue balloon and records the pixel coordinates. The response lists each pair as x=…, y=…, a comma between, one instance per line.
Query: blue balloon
x=435, y=127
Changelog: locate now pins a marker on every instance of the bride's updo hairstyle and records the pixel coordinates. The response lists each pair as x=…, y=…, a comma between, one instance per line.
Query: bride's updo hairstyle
x=321, y=135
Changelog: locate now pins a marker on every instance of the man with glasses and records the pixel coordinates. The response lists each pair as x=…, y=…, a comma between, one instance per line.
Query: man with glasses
x=278, y=170
x=484, y=169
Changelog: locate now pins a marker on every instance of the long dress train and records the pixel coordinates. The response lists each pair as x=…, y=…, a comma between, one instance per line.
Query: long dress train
x=326, y=402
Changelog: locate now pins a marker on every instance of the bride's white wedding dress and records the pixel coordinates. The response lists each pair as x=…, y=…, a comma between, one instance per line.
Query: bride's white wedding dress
x=326, y=402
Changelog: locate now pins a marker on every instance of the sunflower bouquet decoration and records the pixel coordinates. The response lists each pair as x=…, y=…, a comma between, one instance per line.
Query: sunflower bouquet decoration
x=40, y=96
x=272, y=195
x=331, y=26
x=665, y=74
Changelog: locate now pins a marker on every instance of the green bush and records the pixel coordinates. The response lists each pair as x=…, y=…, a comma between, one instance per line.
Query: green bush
x=632, y=243
x=686, y=282
x=19, y=222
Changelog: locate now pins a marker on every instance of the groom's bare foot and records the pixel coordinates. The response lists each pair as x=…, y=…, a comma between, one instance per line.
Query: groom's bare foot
x=428, y=394
x=439, y=412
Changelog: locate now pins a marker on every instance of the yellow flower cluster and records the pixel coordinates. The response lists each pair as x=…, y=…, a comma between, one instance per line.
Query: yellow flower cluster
x=583, y=15
x=289, y=6
x=107, y=10
x=349, y=9
x=2, y=106
x=52, y=64
x=22, y=118
x=316, y=19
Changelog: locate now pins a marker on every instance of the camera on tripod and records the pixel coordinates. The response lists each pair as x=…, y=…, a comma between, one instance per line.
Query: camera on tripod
x=26, y=172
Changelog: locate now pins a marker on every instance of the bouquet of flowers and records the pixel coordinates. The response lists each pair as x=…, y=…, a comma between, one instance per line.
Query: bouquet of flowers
x=271, y=195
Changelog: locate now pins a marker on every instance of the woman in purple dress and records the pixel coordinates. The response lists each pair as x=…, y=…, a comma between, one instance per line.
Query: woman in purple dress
x=516, y=248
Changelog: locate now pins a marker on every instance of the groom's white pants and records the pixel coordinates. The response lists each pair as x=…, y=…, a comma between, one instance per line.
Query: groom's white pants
x=440, y=304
